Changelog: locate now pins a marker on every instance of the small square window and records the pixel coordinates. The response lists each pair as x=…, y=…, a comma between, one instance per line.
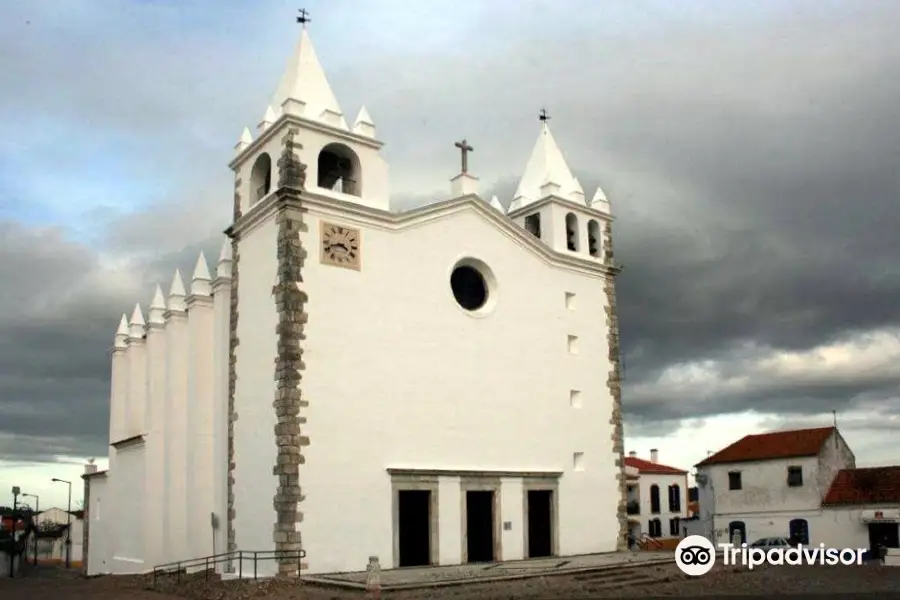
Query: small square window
x=573, y=344
x=575, y=398
x=734, y=480
x=578, y=461
x=795, y=476
x=570, y=300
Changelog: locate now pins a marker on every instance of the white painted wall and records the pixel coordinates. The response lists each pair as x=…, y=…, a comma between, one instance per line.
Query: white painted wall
x=665, y=515
x=222, y=313
x=255, y=451
x=389, y=350
x=118, y=395
x=99, y=532
x=155, y=484
x=200, y=422
x=127, y=531
x=175, y=535
x=137, y=386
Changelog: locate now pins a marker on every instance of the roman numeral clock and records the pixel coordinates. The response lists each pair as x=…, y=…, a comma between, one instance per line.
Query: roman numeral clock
x=340, y=246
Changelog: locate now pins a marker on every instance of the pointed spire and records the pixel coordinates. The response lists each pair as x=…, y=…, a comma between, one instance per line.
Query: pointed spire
x=176, y=293
x=136, y=331
x=546, y=173
x=246, y=140
x=223, y=268
x=577, y=193
x=201, y=278
x=157, y=308
x=305, y=88
x=600, y=201
x=495, y=203
x=122, y=332
x=364, y=124
x=267, y=119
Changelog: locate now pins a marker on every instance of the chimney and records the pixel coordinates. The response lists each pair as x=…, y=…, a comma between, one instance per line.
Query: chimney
x=90, y=467
x=654, y=456
x=632, y=454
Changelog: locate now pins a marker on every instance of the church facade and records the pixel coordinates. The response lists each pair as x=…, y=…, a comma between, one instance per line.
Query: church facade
x=432, y=387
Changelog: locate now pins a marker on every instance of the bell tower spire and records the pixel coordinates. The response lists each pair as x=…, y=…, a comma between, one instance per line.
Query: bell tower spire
x=304, y=87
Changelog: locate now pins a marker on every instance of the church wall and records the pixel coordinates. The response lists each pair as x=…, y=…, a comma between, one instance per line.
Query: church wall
x=118, y=393
x=127, y=529
x=199, y=501
x=137, y=387
x=155, y=443
x=398, y=375
x=175, y=542
x=98, y=559
x=254, y=448
x=222, y=328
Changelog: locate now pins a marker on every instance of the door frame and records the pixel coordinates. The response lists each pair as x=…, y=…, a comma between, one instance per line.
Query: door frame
x=416, y=483
x=481, y=484
x=541, y=485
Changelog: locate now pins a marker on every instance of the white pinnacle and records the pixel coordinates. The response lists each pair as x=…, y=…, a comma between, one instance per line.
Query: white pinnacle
x=123, y=326
x=267, y=120
x=158, y=300
x=177, y=289
x=495, y=203
x=599, y=196
x=304, y=80
x=225, y=253
x=246, y=137
x=363, y=117
x=545, y=165
x=201, y=271
x=137, y=317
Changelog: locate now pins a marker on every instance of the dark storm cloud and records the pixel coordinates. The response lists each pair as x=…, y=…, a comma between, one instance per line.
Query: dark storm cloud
x=751, y=164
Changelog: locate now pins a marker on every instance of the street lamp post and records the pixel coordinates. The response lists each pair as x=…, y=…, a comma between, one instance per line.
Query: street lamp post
x=68, y=522
x=37, y=509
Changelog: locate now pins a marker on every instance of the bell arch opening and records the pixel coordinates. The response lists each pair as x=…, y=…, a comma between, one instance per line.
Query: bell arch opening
x=572, y=232
x=594, y=238
x=260, y=178
x=339, y=170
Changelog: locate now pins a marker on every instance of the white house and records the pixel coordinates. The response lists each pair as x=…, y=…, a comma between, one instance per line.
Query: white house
x=657, y=498
x=799, y=484
x=54, y=546
x=436, y=386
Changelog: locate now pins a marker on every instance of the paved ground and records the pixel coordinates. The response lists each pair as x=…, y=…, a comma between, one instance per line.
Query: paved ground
x=864, y=581
x=436, y=576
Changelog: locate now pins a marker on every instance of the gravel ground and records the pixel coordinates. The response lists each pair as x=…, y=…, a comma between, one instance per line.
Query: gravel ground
x=873, y=581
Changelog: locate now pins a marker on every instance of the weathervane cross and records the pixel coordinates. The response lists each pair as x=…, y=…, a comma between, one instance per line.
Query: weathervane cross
x=304, y=17
x=464, y=149
x=544, y=116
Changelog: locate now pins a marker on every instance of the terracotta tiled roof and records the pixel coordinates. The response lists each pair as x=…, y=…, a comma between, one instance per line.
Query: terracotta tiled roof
x=645, y=466
x=767, y=446
x=865, y=486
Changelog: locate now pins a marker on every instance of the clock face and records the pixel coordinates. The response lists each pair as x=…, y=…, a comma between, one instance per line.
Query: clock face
x=340, y=246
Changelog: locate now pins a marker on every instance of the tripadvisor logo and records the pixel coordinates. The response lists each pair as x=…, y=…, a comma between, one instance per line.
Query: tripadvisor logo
x=696, y=555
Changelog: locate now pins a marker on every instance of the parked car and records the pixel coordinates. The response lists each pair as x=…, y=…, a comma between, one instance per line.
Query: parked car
x=771, y=542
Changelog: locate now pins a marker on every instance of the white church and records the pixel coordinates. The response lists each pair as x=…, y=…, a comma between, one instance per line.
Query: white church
x=432, y=387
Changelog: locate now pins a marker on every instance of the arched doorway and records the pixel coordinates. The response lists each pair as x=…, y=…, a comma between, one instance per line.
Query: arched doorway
x=737, y=527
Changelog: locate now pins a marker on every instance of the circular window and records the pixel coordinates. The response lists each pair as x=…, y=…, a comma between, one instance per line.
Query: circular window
x=469, y=287
x=473, y=286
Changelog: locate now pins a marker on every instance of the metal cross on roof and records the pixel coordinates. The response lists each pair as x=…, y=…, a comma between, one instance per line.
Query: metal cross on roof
x=464, y=149
x=304, y=17
x=544, y=116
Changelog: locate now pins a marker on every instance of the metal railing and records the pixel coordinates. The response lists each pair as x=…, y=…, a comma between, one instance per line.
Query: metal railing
x=208, y=563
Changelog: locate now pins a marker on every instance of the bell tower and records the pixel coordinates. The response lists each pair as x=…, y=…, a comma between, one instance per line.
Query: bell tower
x=343, y=162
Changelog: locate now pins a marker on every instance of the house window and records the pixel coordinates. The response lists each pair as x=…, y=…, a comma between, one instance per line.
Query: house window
x=798, y=531
x=674, y=498
x=795, y=476
x=734, y=480
x=674, y=527
x=655, y=527
x=654, y=499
